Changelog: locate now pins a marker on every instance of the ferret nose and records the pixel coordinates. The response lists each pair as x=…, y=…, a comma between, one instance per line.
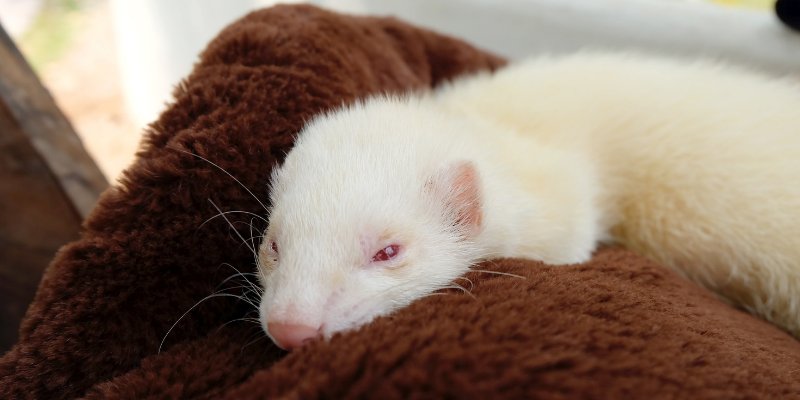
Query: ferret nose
x=291, y=336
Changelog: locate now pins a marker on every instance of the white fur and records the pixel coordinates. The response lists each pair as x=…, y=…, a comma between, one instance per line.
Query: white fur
x=694, y=164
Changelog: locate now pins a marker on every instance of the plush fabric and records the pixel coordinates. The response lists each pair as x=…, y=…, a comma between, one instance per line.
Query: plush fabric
x=616, y=327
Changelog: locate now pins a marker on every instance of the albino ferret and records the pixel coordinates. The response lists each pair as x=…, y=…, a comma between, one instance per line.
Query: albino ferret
x=694, y=164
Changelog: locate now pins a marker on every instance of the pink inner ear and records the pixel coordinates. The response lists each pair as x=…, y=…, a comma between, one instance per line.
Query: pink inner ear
x=467, y=196
x=459, y=183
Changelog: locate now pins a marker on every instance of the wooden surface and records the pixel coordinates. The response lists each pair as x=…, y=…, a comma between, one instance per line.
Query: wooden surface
x=48, y=184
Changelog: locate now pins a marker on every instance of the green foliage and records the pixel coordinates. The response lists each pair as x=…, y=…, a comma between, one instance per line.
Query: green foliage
x=52, y=32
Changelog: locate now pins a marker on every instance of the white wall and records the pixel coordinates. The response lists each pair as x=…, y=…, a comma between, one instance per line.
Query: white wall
x=523, y=27
x=159, y=40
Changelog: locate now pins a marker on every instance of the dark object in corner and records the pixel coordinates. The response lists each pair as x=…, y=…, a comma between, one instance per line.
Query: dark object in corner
x=789, y=13
x=48, y=184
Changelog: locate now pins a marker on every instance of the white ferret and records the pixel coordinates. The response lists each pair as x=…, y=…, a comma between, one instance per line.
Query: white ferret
x=694, y=164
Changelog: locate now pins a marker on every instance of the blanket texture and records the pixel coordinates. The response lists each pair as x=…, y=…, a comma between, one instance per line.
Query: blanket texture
x=615, y=327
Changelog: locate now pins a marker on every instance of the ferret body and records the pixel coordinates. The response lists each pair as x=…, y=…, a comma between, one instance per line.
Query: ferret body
x=695, y=165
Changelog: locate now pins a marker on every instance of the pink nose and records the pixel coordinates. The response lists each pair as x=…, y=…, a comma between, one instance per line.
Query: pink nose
x=291, y=336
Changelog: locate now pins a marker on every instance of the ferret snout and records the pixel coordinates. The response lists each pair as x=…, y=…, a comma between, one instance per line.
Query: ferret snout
x=292, y=336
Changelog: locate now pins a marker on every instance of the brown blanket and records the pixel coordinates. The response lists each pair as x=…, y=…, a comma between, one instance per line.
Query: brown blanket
x=616, y=327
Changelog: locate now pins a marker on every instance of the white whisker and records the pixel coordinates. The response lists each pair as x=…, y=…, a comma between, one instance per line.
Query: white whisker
x=498, y=273
x=232, y=212
x=211, y=296
x=261, y=336
x=252, y=249
x=471, y=285
x=255, y=287
x=226, y=172
x=461, y=288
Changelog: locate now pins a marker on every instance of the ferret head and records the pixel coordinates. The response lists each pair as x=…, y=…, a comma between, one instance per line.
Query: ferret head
x=364, y=220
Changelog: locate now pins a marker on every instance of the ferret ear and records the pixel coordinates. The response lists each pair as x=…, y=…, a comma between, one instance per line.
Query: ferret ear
x=457, y=187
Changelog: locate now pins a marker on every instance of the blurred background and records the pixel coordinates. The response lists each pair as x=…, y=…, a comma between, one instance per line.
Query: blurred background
x=111, y=64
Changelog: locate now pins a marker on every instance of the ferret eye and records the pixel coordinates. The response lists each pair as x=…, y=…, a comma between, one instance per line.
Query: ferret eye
x=387, y=253
x=274, y=247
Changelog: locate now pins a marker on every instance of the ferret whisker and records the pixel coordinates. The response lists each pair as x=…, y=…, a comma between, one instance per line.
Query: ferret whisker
x=252, y=249
x=250, y=332
x=244, y=296
x=433, y=294
x=461, y=288
x=243, y=319
x=231, y=212
x=261, y=274
x=254, y=301
x=251, y=227
x=262, y=336
x=226, y=173
x=243, y=275
x=248, y=288
x=238, y=296
x=245, y=293
x=211, y=296
x=233, y=236
x=483, y=271
x=222, y=290
x=234, y=276
x=471, y=285
x=252, y=239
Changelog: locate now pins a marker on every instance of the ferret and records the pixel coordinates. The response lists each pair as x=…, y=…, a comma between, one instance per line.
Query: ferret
x=694, y=164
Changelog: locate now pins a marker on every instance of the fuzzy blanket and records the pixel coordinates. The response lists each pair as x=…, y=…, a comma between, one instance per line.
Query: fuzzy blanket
x=615, y=327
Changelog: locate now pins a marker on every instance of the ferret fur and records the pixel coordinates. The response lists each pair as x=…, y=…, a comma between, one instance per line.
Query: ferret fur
x=694, y=164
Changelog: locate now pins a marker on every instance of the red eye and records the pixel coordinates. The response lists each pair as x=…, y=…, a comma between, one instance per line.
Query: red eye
x=274, y=247
x=388, y=253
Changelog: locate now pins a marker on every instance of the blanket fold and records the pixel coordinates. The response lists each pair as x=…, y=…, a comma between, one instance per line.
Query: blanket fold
x=164, y=259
